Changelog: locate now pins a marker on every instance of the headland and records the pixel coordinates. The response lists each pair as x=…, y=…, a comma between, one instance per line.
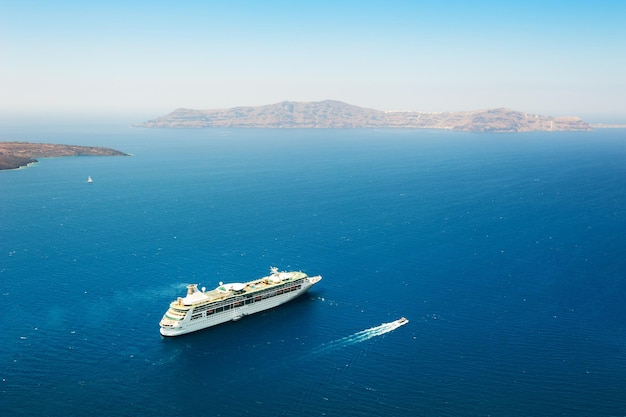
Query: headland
x=19, y=154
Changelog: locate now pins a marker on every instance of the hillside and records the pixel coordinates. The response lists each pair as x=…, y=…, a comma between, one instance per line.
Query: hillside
x=18, y=154
x=336, y=114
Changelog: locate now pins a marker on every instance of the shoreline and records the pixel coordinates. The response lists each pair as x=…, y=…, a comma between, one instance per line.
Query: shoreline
x=19, y=155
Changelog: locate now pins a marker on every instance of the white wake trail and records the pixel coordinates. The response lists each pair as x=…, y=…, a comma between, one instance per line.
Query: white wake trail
x=361, y=336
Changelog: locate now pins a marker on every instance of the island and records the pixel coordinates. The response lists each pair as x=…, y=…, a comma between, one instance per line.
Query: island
x=337, y=114
x=19, y=154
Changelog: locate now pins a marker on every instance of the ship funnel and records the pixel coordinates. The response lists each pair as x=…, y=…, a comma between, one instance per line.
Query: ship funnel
x=192, y=288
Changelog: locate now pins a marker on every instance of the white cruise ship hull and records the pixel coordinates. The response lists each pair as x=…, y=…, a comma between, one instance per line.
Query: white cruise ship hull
x=209, y=318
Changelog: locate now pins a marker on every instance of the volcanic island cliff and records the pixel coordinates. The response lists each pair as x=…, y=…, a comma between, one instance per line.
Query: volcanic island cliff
x=19, y=154
x=337, y=114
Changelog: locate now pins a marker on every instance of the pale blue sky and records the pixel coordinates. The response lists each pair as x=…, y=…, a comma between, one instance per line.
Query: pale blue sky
x=150, y=57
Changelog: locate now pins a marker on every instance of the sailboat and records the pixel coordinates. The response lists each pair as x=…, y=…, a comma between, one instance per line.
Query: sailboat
x=89, y=179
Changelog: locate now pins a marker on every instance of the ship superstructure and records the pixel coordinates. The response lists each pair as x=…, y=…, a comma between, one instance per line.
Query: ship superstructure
x=200, y=309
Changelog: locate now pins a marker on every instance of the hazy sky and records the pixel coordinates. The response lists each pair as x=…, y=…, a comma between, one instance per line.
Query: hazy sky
x=551, y=57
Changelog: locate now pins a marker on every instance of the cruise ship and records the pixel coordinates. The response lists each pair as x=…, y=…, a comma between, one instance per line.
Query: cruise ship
x=200, y=309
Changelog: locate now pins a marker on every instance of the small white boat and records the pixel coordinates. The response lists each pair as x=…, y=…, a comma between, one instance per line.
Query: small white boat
x=89, y=179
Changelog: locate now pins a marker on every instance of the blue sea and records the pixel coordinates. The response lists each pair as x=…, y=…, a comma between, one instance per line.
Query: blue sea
x=506, y=252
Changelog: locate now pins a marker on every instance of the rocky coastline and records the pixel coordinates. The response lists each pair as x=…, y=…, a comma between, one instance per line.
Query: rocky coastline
x=15, y=155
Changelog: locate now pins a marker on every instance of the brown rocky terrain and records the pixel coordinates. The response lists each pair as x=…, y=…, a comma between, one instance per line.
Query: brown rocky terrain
x=336, y=114
x=18, y=154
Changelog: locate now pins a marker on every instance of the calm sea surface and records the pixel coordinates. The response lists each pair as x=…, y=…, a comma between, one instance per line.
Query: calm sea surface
x=505, y=251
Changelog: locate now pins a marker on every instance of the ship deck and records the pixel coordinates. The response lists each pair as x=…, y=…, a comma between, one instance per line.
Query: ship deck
x=223, y=291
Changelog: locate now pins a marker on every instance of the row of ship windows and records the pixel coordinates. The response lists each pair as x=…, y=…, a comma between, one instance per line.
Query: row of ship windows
x=280, y=289
x=196, y=315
